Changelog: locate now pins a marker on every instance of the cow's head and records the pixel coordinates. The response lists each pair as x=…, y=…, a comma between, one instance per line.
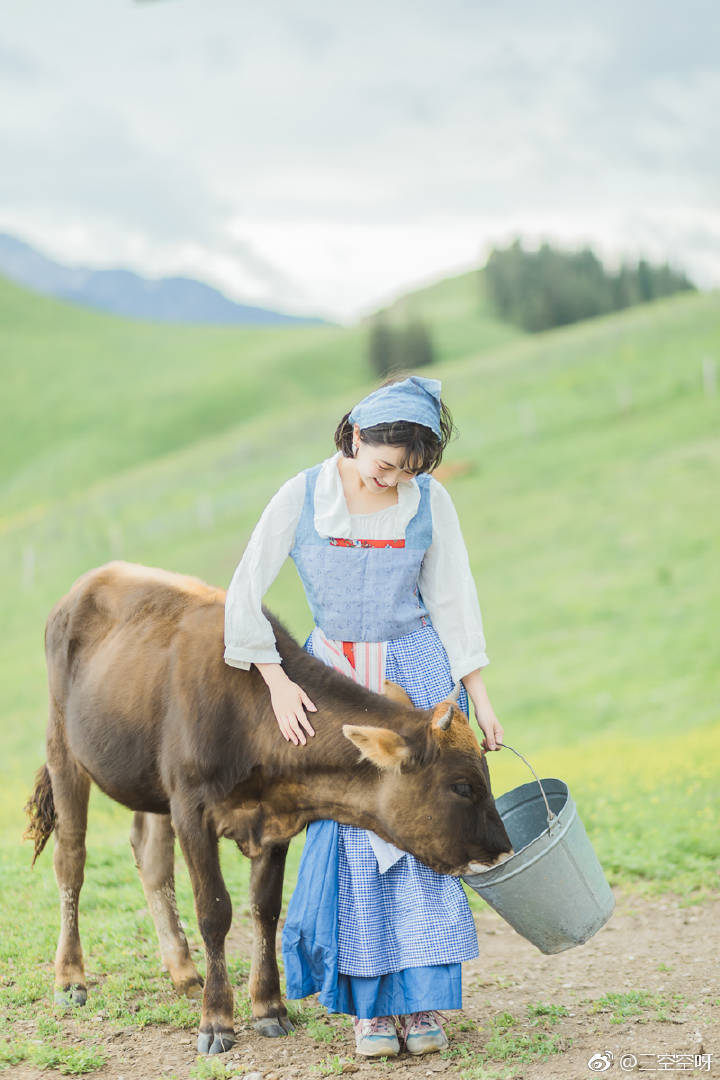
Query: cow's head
x=433, y=795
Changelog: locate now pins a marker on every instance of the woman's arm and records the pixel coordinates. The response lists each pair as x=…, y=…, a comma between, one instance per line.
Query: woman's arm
x=486, y=718
x=249, y=637
x=448, y=590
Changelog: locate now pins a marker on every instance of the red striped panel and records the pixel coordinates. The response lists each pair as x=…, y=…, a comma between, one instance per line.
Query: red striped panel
x=340, y=541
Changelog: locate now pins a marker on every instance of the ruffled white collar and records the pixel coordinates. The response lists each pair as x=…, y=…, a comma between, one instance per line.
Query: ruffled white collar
x=332, y=517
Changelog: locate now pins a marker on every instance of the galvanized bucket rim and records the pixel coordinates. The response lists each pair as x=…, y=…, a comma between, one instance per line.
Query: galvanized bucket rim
x=556, y=829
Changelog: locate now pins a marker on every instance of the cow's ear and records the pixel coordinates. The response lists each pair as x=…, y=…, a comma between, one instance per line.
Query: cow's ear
x=442, y=716
x=443, y=713
x=385, y=748
x=396, y=693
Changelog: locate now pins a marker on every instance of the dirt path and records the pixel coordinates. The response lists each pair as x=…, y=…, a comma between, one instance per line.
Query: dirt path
x=656, y=962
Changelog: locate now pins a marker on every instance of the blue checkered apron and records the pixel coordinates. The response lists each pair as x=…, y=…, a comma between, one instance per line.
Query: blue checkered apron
x=373, y=944
x=410, y=915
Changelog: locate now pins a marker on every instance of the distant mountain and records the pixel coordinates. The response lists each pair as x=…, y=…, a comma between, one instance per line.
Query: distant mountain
x=122, y=292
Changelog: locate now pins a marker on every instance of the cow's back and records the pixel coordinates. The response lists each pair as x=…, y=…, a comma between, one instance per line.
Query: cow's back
x=109, y=644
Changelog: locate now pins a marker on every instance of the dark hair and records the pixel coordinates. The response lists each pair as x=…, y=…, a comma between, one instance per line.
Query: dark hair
x=423, y=448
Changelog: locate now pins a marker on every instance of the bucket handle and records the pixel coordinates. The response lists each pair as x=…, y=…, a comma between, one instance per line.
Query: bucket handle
x=551, y=817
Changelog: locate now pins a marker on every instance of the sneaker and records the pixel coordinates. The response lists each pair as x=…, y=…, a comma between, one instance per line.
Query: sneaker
x=423, y=1033
x=376, y=1037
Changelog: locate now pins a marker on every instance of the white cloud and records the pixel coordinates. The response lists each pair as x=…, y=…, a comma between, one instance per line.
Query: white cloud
x=322, y=157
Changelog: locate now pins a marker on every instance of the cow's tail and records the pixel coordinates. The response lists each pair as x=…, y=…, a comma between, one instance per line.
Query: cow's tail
x=40, y=809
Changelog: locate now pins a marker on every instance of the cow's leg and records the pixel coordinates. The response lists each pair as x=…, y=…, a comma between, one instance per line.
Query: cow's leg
x=214, y=914
x=153, y=843
x=270, y=1016
x=71, y=792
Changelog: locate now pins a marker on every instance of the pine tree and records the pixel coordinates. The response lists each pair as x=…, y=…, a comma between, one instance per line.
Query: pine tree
x=540, y=289
x=380, y=347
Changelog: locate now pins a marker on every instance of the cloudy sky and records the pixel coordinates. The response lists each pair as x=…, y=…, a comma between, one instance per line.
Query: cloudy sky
x=321, y=156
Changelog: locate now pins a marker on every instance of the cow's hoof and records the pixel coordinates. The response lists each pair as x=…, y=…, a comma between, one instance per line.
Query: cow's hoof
x=222, y=1043
x=67, y=996
x=273, y=1027
x=210, y=1042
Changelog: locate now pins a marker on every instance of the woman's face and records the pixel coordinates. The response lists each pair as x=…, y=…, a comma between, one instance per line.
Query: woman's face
x=380, y=467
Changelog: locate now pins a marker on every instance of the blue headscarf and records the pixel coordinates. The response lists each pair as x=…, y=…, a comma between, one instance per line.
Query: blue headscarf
x=415, y=399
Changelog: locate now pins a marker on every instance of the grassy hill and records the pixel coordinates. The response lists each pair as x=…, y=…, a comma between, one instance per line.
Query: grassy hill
x=587, y=490
x=459, y=314
x=87, y=395
x=587, y=500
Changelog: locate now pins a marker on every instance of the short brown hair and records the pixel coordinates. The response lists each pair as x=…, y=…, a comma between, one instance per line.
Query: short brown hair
x=423, y=448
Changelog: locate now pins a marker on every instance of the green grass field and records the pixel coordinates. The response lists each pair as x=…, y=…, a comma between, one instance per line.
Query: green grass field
x=588, y=499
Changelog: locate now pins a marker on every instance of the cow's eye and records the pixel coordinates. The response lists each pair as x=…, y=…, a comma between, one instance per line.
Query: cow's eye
x=463, y=789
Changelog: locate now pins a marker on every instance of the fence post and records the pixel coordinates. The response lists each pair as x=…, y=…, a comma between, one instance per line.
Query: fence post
x=204, y=509
x=28, y=566
x=623, y=396
x=115, y=540
x=709, y=375
x=526, y=414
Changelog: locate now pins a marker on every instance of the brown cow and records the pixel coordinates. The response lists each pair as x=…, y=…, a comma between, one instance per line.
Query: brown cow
x=142, y=702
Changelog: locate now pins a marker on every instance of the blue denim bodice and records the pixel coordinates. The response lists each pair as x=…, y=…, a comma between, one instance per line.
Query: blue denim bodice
x=363, y=590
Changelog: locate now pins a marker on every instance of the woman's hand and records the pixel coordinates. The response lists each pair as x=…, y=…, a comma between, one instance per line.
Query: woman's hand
x=289, y=702
x=487, y=720
x=491, y=729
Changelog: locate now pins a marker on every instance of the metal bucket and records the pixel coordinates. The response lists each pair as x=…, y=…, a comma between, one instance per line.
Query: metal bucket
x=552, y=890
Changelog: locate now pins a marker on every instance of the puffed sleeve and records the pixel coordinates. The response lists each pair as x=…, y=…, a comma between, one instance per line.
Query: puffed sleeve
x=248, y=634
x=448, y=589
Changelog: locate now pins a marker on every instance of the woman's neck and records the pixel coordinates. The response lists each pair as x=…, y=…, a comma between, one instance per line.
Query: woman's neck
x=359, y=500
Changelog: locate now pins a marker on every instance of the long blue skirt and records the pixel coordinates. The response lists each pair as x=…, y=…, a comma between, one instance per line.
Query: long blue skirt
x=372, y=944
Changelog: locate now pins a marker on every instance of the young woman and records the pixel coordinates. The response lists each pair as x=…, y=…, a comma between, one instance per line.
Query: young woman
x=379, y=550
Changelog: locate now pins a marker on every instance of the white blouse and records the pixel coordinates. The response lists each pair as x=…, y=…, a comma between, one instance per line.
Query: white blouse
x=445, y=583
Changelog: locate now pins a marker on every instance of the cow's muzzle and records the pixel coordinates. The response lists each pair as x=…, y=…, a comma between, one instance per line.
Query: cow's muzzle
x=482, y=867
